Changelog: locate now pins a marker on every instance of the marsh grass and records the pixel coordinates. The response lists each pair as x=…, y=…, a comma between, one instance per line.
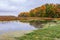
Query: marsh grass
x=50, y=33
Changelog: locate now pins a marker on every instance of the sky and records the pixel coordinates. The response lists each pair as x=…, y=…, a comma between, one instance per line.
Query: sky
x=14, y=7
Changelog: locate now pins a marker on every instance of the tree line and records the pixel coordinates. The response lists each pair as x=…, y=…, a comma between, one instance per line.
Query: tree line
x=46, y=10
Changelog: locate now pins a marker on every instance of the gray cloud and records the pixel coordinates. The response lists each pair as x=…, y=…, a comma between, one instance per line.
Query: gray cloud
x=22, y=5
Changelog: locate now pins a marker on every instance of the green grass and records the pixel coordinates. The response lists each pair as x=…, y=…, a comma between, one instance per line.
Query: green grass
x=50, y=33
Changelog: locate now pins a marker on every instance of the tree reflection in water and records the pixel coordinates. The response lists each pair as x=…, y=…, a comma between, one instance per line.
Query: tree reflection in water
x=40, y=24
x=37, y=24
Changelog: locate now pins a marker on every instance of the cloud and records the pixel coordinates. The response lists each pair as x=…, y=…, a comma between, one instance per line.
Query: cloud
x=13, y=5
x=16, y=5
x=18, y=1
x=22, y=5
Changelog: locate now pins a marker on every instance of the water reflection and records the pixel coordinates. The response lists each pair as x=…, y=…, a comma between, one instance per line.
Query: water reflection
x=7, y=26
x=40, y=24
x=37, y=24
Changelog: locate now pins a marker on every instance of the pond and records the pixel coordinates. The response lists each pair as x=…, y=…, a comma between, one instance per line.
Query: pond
x=10, y=26
x=7, y=26
x=17, y=28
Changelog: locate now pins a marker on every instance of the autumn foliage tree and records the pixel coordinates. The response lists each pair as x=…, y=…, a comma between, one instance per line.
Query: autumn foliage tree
x=24, y=14
x=47, y=10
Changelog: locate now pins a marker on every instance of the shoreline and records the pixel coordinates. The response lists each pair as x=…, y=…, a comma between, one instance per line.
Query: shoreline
x=13, y=34
x=25, y=18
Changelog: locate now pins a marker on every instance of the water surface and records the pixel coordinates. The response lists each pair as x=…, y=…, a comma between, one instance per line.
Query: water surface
x=7, y=26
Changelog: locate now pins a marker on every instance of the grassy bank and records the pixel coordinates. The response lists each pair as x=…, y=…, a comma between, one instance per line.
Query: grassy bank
x=31, y=19
x=8, y=18
x=50, y=33
x=12, y=18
